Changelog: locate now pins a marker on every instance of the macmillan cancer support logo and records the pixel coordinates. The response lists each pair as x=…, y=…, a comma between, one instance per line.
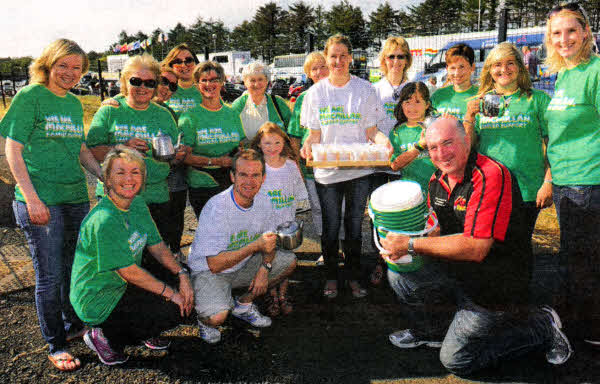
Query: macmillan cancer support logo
x=560, y=101
x=62, y=126
x=336, y=115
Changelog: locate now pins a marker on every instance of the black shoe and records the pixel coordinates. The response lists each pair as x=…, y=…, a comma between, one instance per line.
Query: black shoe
x=406, y=339
x=560, y=349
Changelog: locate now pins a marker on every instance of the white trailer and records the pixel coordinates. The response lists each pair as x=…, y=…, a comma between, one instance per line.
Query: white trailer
x=232, y=62
x=116, y=62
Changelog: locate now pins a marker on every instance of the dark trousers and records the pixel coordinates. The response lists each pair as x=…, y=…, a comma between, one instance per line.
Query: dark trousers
x=356, y=192
x=174, y=230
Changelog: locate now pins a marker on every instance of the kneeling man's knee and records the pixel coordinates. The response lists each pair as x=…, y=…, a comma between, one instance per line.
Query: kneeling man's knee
x=217, y=319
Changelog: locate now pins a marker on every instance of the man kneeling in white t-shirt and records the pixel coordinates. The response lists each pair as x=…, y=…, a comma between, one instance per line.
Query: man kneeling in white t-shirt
x=234, y=247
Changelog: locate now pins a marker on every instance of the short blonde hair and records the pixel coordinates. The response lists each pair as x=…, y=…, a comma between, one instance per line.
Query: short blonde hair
x=208, y=66
x=255, y=68
x=338, y=38
x=136, y=63
x=502, y=51
x=312, y=58
x=390, y=45
x=39, y=70
x=554, y=60
x=130, y=155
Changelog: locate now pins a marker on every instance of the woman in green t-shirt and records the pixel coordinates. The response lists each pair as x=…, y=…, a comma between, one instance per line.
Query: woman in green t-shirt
x=107, y=277
x=255, y=106
x=45, y=150
x=182, y=60
x=516, y=137
x=213, y=130
x=574, y=156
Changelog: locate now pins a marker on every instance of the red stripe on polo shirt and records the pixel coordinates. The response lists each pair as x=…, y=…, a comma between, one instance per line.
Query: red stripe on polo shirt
x=490, y=204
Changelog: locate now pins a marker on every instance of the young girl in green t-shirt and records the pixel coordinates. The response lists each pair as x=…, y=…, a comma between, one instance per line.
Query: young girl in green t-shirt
x=407, y=136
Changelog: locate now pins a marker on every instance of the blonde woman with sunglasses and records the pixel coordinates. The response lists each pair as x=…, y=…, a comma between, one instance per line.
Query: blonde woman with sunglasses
x=574, y=155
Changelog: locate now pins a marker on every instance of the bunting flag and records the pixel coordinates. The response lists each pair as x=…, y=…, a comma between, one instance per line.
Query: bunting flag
x=149, y=42
x=430, y=52
x=136, y=45
x=130, y=47
x=124, y=48
x=416, y=52
x=117, y=48
x=143, y=44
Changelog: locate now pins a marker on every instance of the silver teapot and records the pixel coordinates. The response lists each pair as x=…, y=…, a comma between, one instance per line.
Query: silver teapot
x=162, y=147
x=289, y=234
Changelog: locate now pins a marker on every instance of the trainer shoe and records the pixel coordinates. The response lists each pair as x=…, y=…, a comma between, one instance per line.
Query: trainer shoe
x=157, y=343
x=406, y=339
x=95, y=340
x=560, y=349
x=209, y=334
x=594, y=342
x=250, y=314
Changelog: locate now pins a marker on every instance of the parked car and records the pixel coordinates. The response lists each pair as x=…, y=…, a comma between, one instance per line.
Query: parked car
x=280, y=87
x=297, y=88
x=231, y=91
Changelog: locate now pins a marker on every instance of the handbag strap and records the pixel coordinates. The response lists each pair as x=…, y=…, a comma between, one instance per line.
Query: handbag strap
x=278, y=110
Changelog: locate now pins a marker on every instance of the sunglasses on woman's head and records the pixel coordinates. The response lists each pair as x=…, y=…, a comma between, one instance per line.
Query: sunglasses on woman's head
x=187, y=61
x=573, y=7
x=137, y=82
x=172, y=86
x=399, y=57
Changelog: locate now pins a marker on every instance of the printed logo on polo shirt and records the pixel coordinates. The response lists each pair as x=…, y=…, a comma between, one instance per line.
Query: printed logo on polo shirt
x=62, y=126
x=460, y=204
x=124, y=132
x=389, y=109
x=519, y=121
x=216, y=136
x=137, y=242
x=336, y=115
x=182, y=105
x=408, y=146
x=241, y=239
x=439, y=202
x=280, y=200
x=560, y=102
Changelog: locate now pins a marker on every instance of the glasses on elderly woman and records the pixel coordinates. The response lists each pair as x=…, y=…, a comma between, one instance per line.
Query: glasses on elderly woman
x=137, y=82
x=573, y=7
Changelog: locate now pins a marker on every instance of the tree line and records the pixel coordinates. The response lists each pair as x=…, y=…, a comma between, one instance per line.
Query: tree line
x=274, y=30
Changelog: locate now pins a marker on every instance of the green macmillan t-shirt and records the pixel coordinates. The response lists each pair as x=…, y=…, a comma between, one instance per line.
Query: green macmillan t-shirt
x=447, y=100
x=110, y=239
x=50, y=128
x=516, y=139
x=574, y=126
x=404, y=138
x=112, y=126
x=185, y=99
x=210, y=134
x=295, y=129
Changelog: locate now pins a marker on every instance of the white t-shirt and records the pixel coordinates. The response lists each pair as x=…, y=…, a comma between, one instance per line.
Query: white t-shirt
x=225, y=226
x=342, y=114
x=284, y=189
x=385, y=91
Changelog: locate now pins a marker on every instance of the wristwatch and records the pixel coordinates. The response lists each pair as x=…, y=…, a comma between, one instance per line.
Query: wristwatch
x=267, y=266
x=411, y=247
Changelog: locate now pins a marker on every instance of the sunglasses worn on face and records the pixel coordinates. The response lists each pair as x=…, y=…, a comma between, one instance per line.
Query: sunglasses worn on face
x=172, y=86
x=573, y=7
x=399, y=57
x=187, y=61
x=137, y=82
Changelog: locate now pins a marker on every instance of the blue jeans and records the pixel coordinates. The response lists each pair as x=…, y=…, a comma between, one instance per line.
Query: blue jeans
x=473, y=337
x=356, y=192
x=578, y=265
x=52, y=248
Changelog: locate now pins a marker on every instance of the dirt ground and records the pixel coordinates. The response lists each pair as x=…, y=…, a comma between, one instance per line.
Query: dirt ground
x=343, y=341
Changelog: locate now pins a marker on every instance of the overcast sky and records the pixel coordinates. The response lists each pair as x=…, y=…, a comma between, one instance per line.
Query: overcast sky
x=27, y=26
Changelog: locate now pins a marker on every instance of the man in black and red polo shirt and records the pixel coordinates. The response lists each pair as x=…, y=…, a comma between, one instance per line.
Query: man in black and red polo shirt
x=477, y=255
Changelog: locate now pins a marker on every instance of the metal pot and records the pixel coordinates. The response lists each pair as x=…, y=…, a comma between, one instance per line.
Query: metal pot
x=162, y=147
x=492, y=105
x=289, y=234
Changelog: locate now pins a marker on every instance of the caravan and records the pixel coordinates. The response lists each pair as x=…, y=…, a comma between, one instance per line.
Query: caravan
x=232, y=62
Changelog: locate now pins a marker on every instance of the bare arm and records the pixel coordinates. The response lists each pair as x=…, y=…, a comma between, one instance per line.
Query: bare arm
x=87, y=159
x=378, y=137
x=227, y=259
x=453, y=247
x=38, y=212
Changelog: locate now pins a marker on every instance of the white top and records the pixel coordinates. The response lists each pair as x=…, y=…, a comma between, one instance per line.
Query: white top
x=254, y=116
x=342, y=114
x=225, y=226
x=284, y=188
x=385, y=91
